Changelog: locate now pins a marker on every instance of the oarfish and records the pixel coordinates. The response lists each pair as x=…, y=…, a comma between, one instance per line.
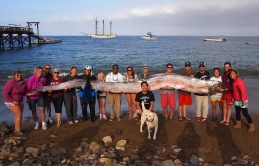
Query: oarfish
x=156, y=82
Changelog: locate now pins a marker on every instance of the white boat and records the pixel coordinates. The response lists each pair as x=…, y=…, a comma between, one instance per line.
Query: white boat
x=46, y=41
x=253, y=43
x=103, y=35
x=149, y=36
x=215, y=39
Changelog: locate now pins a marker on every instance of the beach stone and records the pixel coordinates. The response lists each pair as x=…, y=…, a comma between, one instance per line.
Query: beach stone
x=14, y=155
x=168, y=163
x=178, y=162
x=126, y=159
x=134, y=157
x=108, y=161
x=13, y=141
x=246, y=157
x=27, y=161
x=94, y=147
x=177, y=150
x=107, y=140
x=174, y=146
x=194, y=160
x=227, y=165
x=63, y=161
x=4, y=128
x=156, y=157
x=92, y=157
x=121, y=144
x=16, y=163
x=58, y=152
x=233, y=158
x=85, y=144
x=85, y=139
x=33, y=151
x=4, y=153
x=242, y=162
x=79, y=149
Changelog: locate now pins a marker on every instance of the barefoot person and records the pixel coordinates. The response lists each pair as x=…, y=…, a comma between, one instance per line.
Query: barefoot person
x=167, y=96
x=101, y=97
x=184, y=97
x=241, y=100
x=13, y=93
x=216, y=98
x=147, y=97
x=227, y=97
x=129, y=77
x=37, y=99
x=56, y=97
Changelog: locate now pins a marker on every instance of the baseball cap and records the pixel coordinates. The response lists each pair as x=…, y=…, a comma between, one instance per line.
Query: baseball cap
x=188, y=63
x=145, y=66
x=88, y=67
x=201, y=64
x=169, y=64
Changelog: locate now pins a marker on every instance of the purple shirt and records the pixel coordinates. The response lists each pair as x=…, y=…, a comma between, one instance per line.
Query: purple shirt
x=14, y=91
x=34, y=82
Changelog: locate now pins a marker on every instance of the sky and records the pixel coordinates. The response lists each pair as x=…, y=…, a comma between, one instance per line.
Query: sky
x=136, y=17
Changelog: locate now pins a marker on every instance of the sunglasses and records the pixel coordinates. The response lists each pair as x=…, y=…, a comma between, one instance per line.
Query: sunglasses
x=18, y=75
x=187, y=66
x=56, y=72
x=201, y=66
x=47, y=68
x=129, y=70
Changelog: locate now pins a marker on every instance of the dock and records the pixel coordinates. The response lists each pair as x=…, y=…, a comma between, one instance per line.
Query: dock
x=14, y=36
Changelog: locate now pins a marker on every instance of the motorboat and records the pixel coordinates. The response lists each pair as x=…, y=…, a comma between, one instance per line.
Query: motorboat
x=46, y=41
x=103, y=35
x=253, y=43
x=149, y=36
x=215, y=39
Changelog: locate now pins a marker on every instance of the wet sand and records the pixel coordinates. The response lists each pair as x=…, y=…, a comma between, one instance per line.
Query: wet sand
x=212, y=141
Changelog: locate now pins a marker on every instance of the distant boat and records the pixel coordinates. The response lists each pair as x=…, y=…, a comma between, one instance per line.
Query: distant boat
x=103, y=35
x=46, y=41
x=253, y=43
x=149, y=36
x=215, y=39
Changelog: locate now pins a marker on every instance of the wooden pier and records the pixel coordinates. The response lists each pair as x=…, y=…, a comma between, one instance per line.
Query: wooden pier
x=15, y=36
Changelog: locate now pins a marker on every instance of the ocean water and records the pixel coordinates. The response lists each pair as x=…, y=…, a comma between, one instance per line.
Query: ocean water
x=133, y=50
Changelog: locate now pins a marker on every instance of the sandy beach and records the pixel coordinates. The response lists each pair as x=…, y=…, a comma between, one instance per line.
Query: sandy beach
x=212, y=141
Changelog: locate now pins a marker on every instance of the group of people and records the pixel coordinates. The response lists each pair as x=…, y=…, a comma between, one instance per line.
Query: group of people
x=234, y=92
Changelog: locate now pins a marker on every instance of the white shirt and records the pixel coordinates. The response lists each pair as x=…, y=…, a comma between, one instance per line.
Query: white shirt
x=217, y=95
x=114, y=77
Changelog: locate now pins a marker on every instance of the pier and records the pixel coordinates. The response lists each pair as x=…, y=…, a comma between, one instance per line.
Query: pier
x=15, y=36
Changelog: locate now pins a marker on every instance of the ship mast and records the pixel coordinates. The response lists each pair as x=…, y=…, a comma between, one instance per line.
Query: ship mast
x=103, y=27
x=96, y=22
x=110, y=26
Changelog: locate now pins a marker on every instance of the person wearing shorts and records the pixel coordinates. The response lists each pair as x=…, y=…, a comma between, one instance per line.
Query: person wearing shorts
x=167, y=97
x=13, y=93
x=101, y=97
x=227, y=97
x=216, y=98
x=37, y=99
x=185, y=97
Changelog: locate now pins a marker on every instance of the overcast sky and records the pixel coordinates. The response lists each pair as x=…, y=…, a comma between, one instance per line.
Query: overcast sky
x=136, y=17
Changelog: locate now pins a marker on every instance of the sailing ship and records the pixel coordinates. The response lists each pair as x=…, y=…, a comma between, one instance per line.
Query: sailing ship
x=103, y=35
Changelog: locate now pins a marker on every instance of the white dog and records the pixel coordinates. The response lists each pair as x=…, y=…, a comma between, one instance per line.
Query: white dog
x=151, y=120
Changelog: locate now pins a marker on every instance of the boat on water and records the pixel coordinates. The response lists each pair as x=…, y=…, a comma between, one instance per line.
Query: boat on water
x=46, y=41
x=215, y=39
x=103, y=35
x=253, y=43
x=149, y=36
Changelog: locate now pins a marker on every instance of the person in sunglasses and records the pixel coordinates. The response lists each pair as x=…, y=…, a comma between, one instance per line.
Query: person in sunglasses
x=56, y=97
x=47, y=103
x=13, y=93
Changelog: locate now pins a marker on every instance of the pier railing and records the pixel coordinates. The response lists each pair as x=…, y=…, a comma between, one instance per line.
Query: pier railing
x=15, y=30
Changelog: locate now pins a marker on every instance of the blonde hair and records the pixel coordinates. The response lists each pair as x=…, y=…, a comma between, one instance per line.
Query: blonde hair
x=99, y=75
x=55, y=69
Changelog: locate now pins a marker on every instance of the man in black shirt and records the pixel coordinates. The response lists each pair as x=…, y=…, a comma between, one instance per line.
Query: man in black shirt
x=146, y=96
x=84, y=101
x=202, y=100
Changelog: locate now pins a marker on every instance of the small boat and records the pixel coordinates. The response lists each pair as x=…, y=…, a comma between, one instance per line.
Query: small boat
x=103, y=35
x=46, y=41
x=149, y=36
x=253, y=43
x=215, y=39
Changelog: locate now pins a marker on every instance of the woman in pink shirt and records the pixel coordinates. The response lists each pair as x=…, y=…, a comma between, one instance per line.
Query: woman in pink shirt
x=36, y=98
x=13, y=93
x=241, y=100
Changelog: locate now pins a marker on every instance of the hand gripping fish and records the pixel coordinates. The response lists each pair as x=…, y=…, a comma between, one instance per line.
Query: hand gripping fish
x=155, y=82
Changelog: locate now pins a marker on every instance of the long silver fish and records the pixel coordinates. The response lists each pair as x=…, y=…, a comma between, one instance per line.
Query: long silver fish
x=156, y=82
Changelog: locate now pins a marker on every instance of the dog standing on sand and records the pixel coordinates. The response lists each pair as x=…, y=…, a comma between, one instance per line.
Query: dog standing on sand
x=151, y=120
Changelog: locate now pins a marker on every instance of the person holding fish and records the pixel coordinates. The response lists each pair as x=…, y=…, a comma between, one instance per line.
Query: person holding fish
x=129, y=77
x=101, y=97
x=167, y=97
x=86, y=100
x=185, y=98
x=114, y=98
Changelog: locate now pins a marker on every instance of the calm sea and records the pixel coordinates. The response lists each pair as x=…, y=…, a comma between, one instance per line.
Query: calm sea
x=128, y=50
x=133, y=50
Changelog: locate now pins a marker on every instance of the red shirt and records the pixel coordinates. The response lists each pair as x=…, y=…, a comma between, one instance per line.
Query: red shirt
x=240, y=94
